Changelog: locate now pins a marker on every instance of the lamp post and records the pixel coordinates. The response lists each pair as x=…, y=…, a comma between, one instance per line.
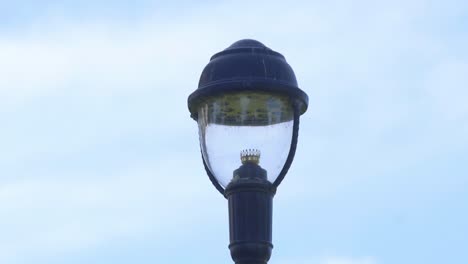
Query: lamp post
x=247, y=106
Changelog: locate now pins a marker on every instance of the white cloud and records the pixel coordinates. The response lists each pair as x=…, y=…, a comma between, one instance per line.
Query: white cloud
x=446, y=84
x=56, y=215
x=348, y=260
x=328, y=260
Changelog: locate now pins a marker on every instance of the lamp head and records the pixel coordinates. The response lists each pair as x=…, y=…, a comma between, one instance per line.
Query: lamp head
x=247, y=99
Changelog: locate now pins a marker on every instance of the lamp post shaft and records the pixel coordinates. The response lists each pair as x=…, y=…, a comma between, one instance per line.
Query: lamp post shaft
x=250, y=199
x=250, y=225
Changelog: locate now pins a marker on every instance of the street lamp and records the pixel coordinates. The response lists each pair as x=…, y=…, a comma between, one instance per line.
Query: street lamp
x=247, y=106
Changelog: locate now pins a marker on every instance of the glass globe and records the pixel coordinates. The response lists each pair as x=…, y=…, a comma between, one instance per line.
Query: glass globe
x=236, y=122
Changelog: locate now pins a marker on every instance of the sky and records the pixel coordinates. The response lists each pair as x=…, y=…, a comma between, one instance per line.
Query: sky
x=100, y=161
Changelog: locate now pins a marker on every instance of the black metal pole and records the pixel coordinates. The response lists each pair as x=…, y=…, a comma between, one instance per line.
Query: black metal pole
x=250, y=198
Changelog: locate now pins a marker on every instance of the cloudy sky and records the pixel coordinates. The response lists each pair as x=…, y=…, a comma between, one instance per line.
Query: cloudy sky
x=99, y=159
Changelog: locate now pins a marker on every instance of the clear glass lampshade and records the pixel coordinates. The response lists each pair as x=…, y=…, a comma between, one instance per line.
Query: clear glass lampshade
x=235, y=122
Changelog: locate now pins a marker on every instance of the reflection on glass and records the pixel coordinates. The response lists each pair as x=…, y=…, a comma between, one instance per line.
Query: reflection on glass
x=233, y=122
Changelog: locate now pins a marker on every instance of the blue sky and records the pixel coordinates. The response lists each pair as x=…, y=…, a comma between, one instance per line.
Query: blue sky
x=99, y=159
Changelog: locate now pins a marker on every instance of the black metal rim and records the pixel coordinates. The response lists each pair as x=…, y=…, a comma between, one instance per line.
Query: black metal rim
x=249, y=185
x=233, y=85
x=292, y=150
x=213, y=180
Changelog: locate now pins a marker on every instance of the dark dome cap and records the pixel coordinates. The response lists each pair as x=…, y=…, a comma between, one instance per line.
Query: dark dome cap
x=247, y=45
x=247, y=65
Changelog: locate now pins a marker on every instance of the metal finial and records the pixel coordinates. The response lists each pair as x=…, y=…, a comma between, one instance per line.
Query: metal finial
x=250, y=155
